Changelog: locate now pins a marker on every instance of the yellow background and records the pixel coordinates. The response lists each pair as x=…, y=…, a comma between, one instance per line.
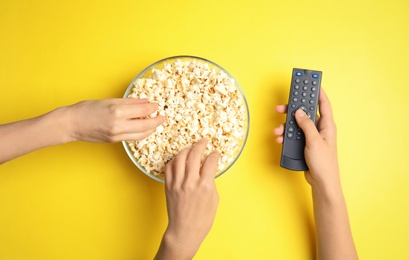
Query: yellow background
x=88, y=201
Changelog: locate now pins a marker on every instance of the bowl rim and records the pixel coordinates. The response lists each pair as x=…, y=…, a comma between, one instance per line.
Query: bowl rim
x=129, y=89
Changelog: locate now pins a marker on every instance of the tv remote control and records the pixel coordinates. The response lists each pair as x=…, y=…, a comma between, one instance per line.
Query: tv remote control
x=304, y=94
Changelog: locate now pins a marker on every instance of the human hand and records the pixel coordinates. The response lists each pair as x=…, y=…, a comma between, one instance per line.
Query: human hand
x=321, y=145
x=334, y=236
x=192, y=201
x=112, y=120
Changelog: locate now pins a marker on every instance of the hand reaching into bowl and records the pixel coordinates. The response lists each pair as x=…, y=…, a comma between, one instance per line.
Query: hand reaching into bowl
x=106, y=120
x=192, y=201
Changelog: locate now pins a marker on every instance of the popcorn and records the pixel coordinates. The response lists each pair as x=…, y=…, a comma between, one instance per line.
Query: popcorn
x=197, y=101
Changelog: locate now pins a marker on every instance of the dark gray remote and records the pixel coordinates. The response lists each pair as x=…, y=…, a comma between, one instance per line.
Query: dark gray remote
x=304, y=93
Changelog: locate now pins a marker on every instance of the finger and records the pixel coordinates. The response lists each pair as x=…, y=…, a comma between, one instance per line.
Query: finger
x=132, y=136
x=179, y=167
x=141, y=125
x=133, y=110
x=280, y=139
x=141, y=110
x=209, y=167
x=279, y=130
x=326, y=124
x=307, y=126
x=194, y=159
x=127, y=101
x=140, y=136
x=282, y=109
x=325, y=106
x=168, y=174
x=135, y=129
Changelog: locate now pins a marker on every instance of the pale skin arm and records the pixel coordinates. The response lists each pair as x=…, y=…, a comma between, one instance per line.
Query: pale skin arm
x=334, y=236
x=107, y=120
x=192, y=201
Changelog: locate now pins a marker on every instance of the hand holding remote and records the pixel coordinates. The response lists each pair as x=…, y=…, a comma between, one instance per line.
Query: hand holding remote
x=334, y=236
x=320, y=147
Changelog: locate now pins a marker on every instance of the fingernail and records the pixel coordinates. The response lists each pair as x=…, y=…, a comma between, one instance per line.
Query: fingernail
x=216, y=152
x=300, y=113
x=204, y=139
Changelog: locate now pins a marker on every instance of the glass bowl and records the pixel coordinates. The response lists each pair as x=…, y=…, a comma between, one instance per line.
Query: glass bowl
x=154, y=71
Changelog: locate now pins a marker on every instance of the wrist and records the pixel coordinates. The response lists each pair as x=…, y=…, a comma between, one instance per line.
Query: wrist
x=324, y=180
x=329, y=192
x=173, y=247
x=63, y=124
x=72, y=121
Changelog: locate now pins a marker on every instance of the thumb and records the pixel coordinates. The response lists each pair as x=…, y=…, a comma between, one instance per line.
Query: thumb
x=307, y=126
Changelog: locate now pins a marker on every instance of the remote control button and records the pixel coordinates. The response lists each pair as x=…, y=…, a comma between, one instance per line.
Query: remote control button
x=312, y=95
x=312, y=101
x=309, y=114
x=303, y=100
x=295, y=99
x=293, y=105
x=314, y=82
x=312, y=108
x=305, y=81
x=290, y=135
x=313, y=89
x=315, y=76
x=297, y=87
x=291, y=122
x=305, y=88
x=296, y=93
x=298, y=74
x=304, y=108
x=297, y=80
x=304, y=94
x=291, y=129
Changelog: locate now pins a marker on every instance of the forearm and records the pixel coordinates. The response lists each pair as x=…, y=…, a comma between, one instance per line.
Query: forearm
x=25, y=136
x=334, y=236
